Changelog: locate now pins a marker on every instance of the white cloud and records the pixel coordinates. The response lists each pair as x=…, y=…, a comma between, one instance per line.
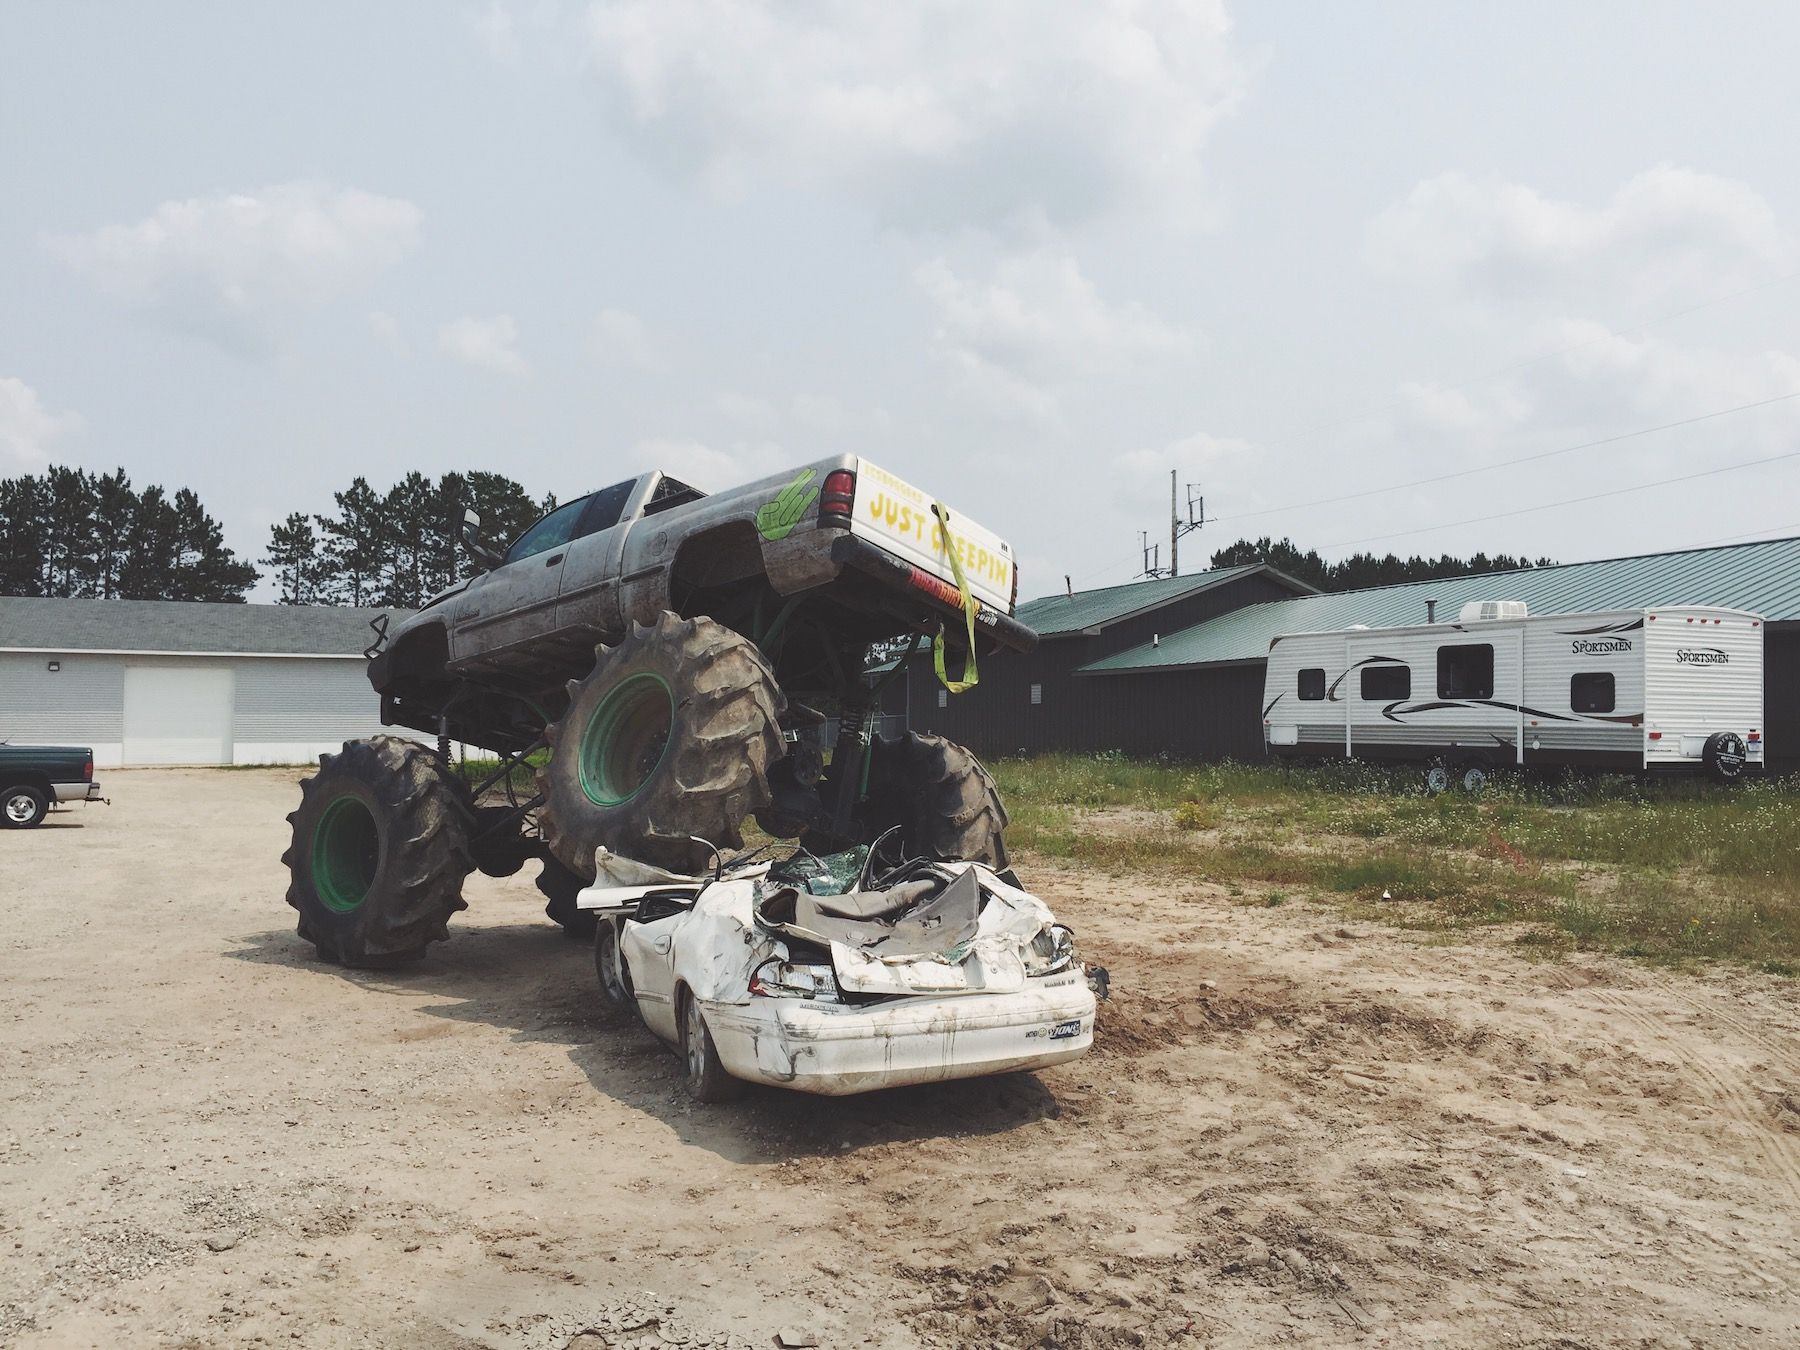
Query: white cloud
x=622, y=340
x=707, y=467
x=27, y=428
x=1037, y=325
x=235, y=267
x=1669, y=233
x=935, y=112
x=486, y=344
x=1599, y=382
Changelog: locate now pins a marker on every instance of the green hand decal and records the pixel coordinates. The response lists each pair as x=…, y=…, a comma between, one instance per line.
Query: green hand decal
x=776, y=519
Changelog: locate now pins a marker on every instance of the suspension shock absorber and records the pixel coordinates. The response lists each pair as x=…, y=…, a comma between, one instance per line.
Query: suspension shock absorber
x=850, y=763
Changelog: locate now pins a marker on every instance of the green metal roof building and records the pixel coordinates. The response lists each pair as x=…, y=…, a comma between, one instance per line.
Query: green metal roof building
x=1175, y=666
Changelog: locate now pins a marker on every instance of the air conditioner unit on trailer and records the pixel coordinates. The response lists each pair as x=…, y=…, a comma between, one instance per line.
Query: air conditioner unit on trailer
x=1478, y=610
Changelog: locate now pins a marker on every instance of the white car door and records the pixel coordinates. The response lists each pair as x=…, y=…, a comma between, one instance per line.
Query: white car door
x=649, y=953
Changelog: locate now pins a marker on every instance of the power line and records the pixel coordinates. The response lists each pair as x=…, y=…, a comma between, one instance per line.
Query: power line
x=1777, y=530
x=1509, y=463
x=1332, y=423
x=1572, y=501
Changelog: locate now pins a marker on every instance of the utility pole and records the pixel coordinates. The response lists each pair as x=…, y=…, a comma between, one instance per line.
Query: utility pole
x=1174, y=531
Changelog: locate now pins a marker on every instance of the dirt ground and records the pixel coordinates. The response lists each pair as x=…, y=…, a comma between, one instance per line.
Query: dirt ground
x=1290, y=1132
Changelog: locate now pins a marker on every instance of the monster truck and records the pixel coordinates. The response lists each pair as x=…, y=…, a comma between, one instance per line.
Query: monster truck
x=667, y=662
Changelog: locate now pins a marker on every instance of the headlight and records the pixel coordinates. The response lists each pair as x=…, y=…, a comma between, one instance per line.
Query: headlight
x=1053, y=949
x=776, y=978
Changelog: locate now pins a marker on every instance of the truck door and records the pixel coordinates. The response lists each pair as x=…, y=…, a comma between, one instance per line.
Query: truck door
x=589, y=603
x=516, y=602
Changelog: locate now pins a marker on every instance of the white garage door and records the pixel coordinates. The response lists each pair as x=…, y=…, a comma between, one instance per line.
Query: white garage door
x=178, y=714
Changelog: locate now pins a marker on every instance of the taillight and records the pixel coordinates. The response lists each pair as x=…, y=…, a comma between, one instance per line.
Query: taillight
x=87, y=769
x=837, y=498
x=1755, y=737
x=1012, y=606
x=1656, y=735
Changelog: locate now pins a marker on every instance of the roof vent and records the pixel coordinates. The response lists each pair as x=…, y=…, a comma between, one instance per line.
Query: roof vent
x=1476, y=611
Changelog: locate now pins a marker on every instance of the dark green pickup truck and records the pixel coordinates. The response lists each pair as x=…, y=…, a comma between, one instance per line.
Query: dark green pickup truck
x=33, y=776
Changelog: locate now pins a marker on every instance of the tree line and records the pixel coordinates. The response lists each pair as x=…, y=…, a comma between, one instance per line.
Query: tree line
x=1361, y=570
x=395, y=548
x=70, y=533
x=67, y=532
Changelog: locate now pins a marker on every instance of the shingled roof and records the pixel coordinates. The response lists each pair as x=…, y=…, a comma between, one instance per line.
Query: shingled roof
x=185, y=626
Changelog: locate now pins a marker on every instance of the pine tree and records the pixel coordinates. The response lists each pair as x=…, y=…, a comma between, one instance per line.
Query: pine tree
x=1361, y=570
x=204, y=568
x=355, y=544
x=294, y=557
x=115, y=507
x=24, y=536
x=408, y=576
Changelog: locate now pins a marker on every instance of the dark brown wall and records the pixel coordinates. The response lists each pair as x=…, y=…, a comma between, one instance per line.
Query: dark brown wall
x=1195, y=714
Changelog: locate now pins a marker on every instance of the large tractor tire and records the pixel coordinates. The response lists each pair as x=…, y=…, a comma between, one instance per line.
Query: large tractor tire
x=942, y=798
x=379, y=853
x=561, y=887
x=670, y=736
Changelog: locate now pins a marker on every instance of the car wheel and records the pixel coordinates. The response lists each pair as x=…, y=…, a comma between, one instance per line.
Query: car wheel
x=707, y=1080
x=24, y=807
x=1437, y=778
x=609, y=965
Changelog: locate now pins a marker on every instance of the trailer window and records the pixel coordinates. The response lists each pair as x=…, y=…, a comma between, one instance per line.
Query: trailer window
x=1384, y=684
x=1312, y=684
x=1592, y=692
x=1466, y=670
x=1037, y=694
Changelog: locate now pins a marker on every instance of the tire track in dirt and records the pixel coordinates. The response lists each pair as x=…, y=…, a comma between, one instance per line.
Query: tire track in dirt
x=1779, y=1052
x=1735, y=1101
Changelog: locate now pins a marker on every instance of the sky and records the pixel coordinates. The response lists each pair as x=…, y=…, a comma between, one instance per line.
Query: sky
x=1031, y=256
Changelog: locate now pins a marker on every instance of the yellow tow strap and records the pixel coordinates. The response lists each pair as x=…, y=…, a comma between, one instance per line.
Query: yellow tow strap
x=971, y=672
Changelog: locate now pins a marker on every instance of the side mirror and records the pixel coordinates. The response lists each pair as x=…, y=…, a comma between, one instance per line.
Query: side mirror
x=470, y=534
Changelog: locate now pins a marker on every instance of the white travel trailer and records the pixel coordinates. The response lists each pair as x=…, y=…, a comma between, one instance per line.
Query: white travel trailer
x=1675, y=687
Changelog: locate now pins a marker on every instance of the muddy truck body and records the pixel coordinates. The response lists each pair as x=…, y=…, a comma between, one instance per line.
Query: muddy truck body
x=665, y=662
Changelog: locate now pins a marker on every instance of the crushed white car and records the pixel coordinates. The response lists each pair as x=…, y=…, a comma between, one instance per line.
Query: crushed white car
x=814, y=975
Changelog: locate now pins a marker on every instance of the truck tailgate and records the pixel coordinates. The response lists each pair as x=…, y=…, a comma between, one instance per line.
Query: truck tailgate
x=896, y=516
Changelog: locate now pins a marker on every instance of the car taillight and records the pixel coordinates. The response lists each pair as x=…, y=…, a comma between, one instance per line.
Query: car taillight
x=836, y=500
x=87, y=769
x=1012, y=606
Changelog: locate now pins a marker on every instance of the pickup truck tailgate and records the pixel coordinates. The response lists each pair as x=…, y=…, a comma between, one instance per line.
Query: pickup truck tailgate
x=896, y=516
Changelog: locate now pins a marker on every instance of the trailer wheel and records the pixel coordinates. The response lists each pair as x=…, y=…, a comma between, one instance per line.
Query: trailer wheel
x=379, y=852
x=1438, y=778
x=670, y=736
x=1724, y=755
x=1473, y=775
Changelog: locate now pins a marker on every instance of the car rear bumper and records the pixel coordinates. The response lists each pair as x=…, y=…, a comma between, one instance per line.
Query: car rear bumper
x=76, y=792
x=836, y=1050
x=877, y=562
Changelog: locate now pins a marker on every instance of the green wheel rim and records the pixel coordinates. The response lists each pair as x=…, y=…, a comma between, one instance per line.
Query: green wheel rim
x=346, y=850
x=625, y=739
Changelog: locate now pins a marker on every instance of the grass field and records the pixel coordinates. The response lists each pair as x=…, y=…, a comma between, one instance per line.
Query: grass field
x=1667, y=871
